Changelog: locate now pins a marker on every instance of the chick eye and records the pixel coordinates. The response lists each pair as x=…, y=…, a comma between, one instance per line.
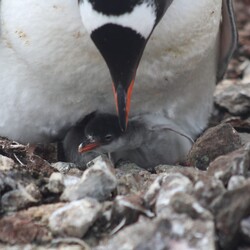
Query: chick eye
x=108, y=137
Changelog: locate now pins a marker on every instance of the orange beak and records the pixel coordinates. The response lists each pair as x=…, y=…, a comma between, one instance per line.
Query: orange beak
x=86, y=146
x=122, y=101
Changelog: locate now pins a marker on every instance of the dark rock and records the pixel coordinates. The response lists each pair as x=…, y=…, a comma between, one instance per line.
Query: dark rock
x=216, y=141
x=38, y=165
x=229, y=209
x=235, y=163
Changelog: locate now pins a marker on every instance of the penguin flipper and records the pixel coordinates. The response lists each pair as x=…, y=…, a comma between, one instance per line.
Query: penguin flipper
x=228, y=37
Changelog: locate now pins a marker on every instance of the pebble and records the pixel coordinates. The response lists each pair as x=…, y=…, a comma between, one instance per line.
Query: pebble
x=98, y=181
x=6, y=163
x=75, y=218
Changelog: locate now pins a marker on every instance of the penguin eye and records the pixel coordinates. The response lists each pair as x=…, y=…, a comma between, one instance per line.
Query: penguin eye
x=108, y=137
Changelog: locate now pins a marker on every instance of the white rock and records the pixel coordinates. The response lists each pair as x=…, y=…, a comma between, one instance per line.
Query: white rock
x=56, y=183
x=75, y=218
x=235, y=182
x=172, y=184
x=99, y=181
x=6, y=163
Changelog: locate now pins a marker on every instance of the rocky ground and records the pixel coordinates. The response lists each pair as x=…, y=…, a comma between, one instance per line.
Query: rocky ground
x=205, y=206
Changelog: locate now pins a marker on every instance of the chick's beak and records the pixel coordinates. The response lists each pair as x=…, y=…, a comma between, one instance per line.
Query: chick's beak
x=87, y=145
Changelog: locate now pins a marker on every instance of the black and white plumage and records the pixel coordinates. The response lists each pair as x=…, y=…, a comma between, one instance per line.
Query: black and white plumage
x=52, y=72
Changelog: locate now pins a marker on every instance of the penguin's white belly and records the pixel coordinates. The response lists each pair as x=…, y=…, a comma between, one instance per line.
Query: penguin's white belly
x=51, y=74
x=179, y=66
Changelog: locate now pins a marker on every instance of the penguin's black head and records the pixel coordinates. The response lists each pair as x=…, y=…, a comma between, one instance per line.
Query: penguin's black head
x=120, y=30
x=101, y=130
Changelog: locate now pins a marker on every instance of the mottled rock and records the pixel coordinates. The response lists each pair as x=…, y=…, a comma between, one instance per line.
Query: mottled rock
x=153, y=191
x=18, y=230
x=39, y=166
x=216, y=141
x=98, y=182
x=187, y=204
x=179, y=233
x=171, y=184
x=56, y=183
x=27, y=226
x=6, y=163
x=234, y=97
x=17, y=199
x=63, y=246
x=229, y=209
x=207, y=190
x=34, y=191
x=126, y=210
x=75, y=218
x=192, y=173
x=235, y=163
x=132, y=179
x=6, y=183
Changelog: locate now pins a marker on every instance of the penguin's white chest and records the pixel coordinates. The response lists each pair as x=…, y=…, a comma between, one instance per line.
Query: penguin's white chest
x=51, y=74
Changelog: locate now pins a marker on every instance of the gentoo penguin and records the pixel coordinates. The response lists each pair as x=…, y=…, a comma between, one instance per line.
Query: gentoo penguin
x=52, y=72
x=145, y=142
